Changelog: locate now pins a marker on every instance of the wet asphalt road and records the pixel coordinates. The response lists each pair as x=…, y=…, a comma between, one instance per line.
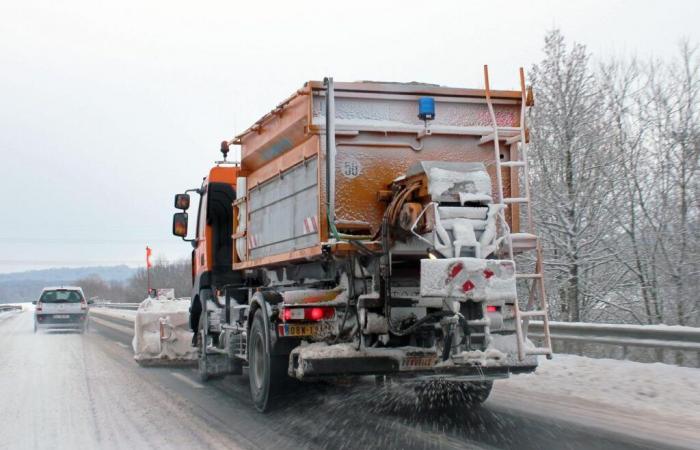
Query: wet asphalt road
x=85, y=391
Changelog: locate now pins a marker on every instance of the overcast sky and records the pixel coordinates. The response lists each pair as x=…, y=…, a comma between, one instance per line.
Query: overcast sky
x=108, y=108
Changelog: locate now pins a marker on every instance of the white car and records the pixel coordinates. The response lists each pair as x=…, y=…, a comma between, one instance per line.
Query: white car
x=61, y=308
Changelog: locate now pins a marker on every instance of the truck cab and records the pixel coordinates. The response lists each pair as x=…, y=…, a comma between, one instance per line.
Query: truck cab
x=212, y=242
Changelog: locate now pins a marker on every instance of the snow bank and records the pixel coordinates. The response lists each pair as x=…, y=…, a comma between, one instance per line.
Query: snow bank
x=660, y=388
x=162, y=332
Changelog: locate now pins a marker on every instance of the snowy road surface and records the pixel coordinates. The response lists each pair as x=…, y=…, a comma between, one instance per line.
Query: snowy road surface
x=65, y=390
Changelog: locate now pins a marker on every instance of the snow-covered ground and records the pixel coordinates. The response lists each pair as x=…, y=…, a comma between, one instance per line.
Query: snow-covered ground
x=571, y=402
x=65, y=390
x=641, y=400
x=658, y=388
x=662, y=389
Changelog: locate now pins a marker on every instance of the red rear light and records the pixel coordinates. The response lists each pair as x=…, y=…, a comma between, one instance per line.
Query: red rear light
x=491, y=309
x=488, y=273
x=38, y=306
x=83, y=305
x=314, y=314
x=319, y=313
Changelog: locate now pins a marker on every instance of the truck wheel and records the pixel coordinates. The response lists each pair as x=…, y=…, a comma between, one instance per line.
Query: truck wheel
x=265, y=372
x=441, y=394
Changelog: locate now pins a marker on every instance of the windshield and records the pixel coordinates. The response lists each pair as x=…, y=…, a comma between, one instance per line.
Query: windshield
x=61, y=296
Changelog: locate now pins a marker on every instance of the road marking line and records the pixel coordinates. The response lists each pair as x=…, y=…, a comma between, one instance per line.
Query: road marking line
x=114, y=326
x=121, y=344
x=182, y=377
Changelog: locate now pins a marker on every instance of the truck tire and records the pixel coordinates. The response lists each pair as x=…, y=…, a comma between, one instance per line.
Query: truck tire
x=195, y=314
x=441, y=394
x=265, y=372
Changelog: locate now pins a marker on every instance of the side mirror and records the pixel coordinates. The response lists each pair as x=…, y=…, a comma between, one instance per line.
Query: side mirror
x=180, y=224
x=34, y=302
x=182, y=201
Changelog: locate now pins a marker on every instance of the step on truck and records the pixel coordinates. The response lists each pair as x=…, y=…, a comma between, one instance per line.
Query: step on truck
x=370, y=229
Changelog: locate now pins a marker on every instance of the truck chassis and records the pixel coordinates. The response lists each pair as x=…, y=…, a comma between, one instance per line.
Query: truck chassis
x=424, y=288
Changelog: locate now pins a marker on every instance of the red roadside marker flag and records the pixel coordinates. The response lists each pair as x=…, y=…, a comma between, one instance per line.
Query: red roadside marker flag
x=148, y=257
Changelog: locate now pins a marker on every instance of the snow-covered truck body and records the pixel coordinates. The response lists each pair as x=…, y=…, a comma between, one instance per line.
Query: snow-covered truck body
x=373, y=228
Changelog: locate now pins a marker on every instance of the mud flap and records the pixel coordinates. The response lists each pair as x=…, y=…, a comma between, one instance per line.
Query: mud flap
x=217, y=365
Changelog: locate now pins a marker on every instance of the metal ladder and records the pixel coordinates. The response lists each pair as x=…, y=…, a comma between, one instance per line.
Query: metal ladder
x=536, y=307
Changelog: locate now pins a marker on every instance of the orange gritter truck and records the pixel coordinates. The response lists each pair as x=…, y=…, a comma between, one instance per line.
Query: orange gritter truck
x=370, y=228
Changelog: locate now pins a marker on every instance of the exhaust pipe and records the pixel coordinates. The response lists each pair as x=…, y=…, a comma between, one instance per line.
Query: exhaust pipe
x=330, y=154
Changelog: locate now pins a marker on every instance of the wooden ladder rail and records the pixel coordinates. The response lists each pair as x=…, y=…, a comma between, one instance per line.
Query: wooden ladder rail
x=537, y=286
x=497, y=157
x=539, y=262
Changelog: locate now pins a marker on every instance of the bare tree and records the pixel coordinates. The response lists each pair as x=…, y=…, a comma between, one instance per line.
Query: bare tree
x=674, y=99
x=176, y=275
x=615, y=158
x=568, y=176
x=95, y=286
x=633, y=239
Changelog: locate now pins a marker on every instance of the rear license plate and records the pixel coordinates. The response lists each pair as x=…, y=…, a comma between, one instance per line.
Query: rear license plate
x=304, y=330
x=419, y=362
x=61, y=316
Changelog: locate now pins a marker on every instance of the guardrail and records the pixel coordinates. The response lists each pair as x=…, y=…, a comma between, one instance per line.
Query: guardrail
x=643, y=343
x=131, y=306
x=10, y=308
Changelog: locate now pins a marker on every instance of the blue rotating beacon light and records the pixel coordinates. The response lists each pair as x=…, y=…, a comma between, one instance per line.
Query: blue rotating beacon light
x=426, y=112
x=426, y=108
